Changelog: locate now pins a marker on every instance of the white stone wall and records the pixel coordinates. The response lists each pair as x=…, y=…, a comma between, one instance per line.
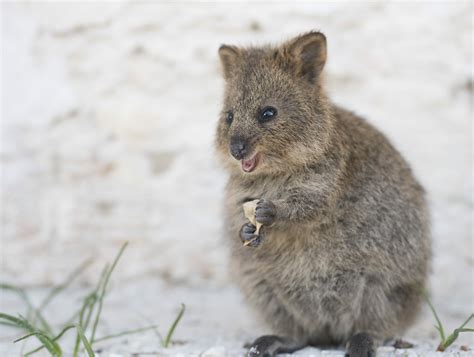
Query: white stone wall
x=108, y=120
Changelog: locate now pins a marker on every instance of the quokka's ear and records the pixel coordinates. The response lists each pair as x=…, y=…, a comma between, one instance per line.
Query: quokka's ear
x=229, y=56
x=306, y=54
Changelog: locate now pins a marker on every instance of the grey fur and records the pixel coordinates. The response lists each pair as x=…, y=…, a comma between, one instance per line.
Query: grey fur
x=349, y=248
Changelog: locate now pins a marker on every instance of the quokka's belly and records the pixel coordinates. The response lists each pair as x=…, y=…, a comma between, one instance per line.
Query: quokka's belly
x=301, y=294
x=315, y=313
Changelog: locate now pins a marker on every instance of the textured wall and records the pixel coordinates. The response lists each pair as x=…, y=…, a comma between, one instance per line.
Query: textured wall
x=109, y=111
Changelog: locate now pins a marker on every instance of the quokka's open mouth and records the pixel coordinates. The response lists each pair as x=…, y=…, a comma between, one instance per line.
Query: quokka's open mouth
x=250, y=164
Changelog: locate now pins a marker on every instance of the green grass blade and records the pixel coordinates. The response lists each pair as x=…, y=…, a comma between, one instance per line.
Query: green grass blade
x=76, y=314
x=467, y=321
x=167, y=340
x=52, y=347
x=85, y=342
x=438, y=321
x=465, y=330
x=96, y=293
x=24, y=337
x=90, y=310
x=67, y=328
x=38, y=334
x=103, y=291
x=124, y=333
x=87, y=307
x=67, y=282
x=19, y=291
x=12, y=319
x=450, y=340
x=32, y=313
x=11, y=324
x=44, y=338
x=21, y=322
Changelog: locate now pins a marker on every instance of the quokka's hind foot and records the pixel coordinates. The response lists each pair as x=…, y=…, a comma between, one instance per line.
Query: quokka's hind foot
x=361, y=345
x=270, y=345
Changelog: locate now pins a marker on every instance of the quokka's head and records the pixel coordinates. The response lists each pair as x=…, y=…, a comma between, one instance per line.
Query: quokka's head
x=275, y=115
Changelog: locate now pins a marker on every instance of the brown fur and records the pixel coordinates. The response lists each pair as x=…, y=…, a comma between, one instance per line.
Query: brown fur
x=349, y=249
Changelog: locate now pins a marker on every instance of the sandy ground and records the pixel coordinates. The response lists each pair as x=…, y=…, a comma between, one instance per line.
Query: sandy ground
x=215, y=323
x=108, y=116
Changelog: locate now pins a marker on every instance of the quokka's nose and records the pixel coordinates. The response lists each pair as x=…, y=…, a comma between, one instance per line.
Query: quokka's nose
x=238, y=148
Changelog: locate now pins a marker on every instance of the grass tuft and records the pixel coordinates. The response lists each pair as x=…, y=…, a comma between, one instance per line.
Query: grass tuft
x=52, y=346
x=85, y=319
x=449, y=340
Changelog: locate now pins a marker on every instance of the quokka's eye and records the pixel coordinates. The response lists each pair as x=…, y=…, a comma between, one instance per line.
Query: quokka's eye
x=267, y=113
x=229, y=117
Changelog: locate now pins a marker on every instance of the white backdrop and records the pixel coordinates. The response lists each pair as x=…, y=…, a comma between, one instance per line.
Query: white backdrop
x=109, y=112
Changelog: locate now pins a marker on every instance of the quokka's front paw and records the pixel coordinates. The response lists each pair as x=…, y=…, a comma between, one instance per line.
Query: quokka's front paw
x=265, y=212
x=248, y=236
